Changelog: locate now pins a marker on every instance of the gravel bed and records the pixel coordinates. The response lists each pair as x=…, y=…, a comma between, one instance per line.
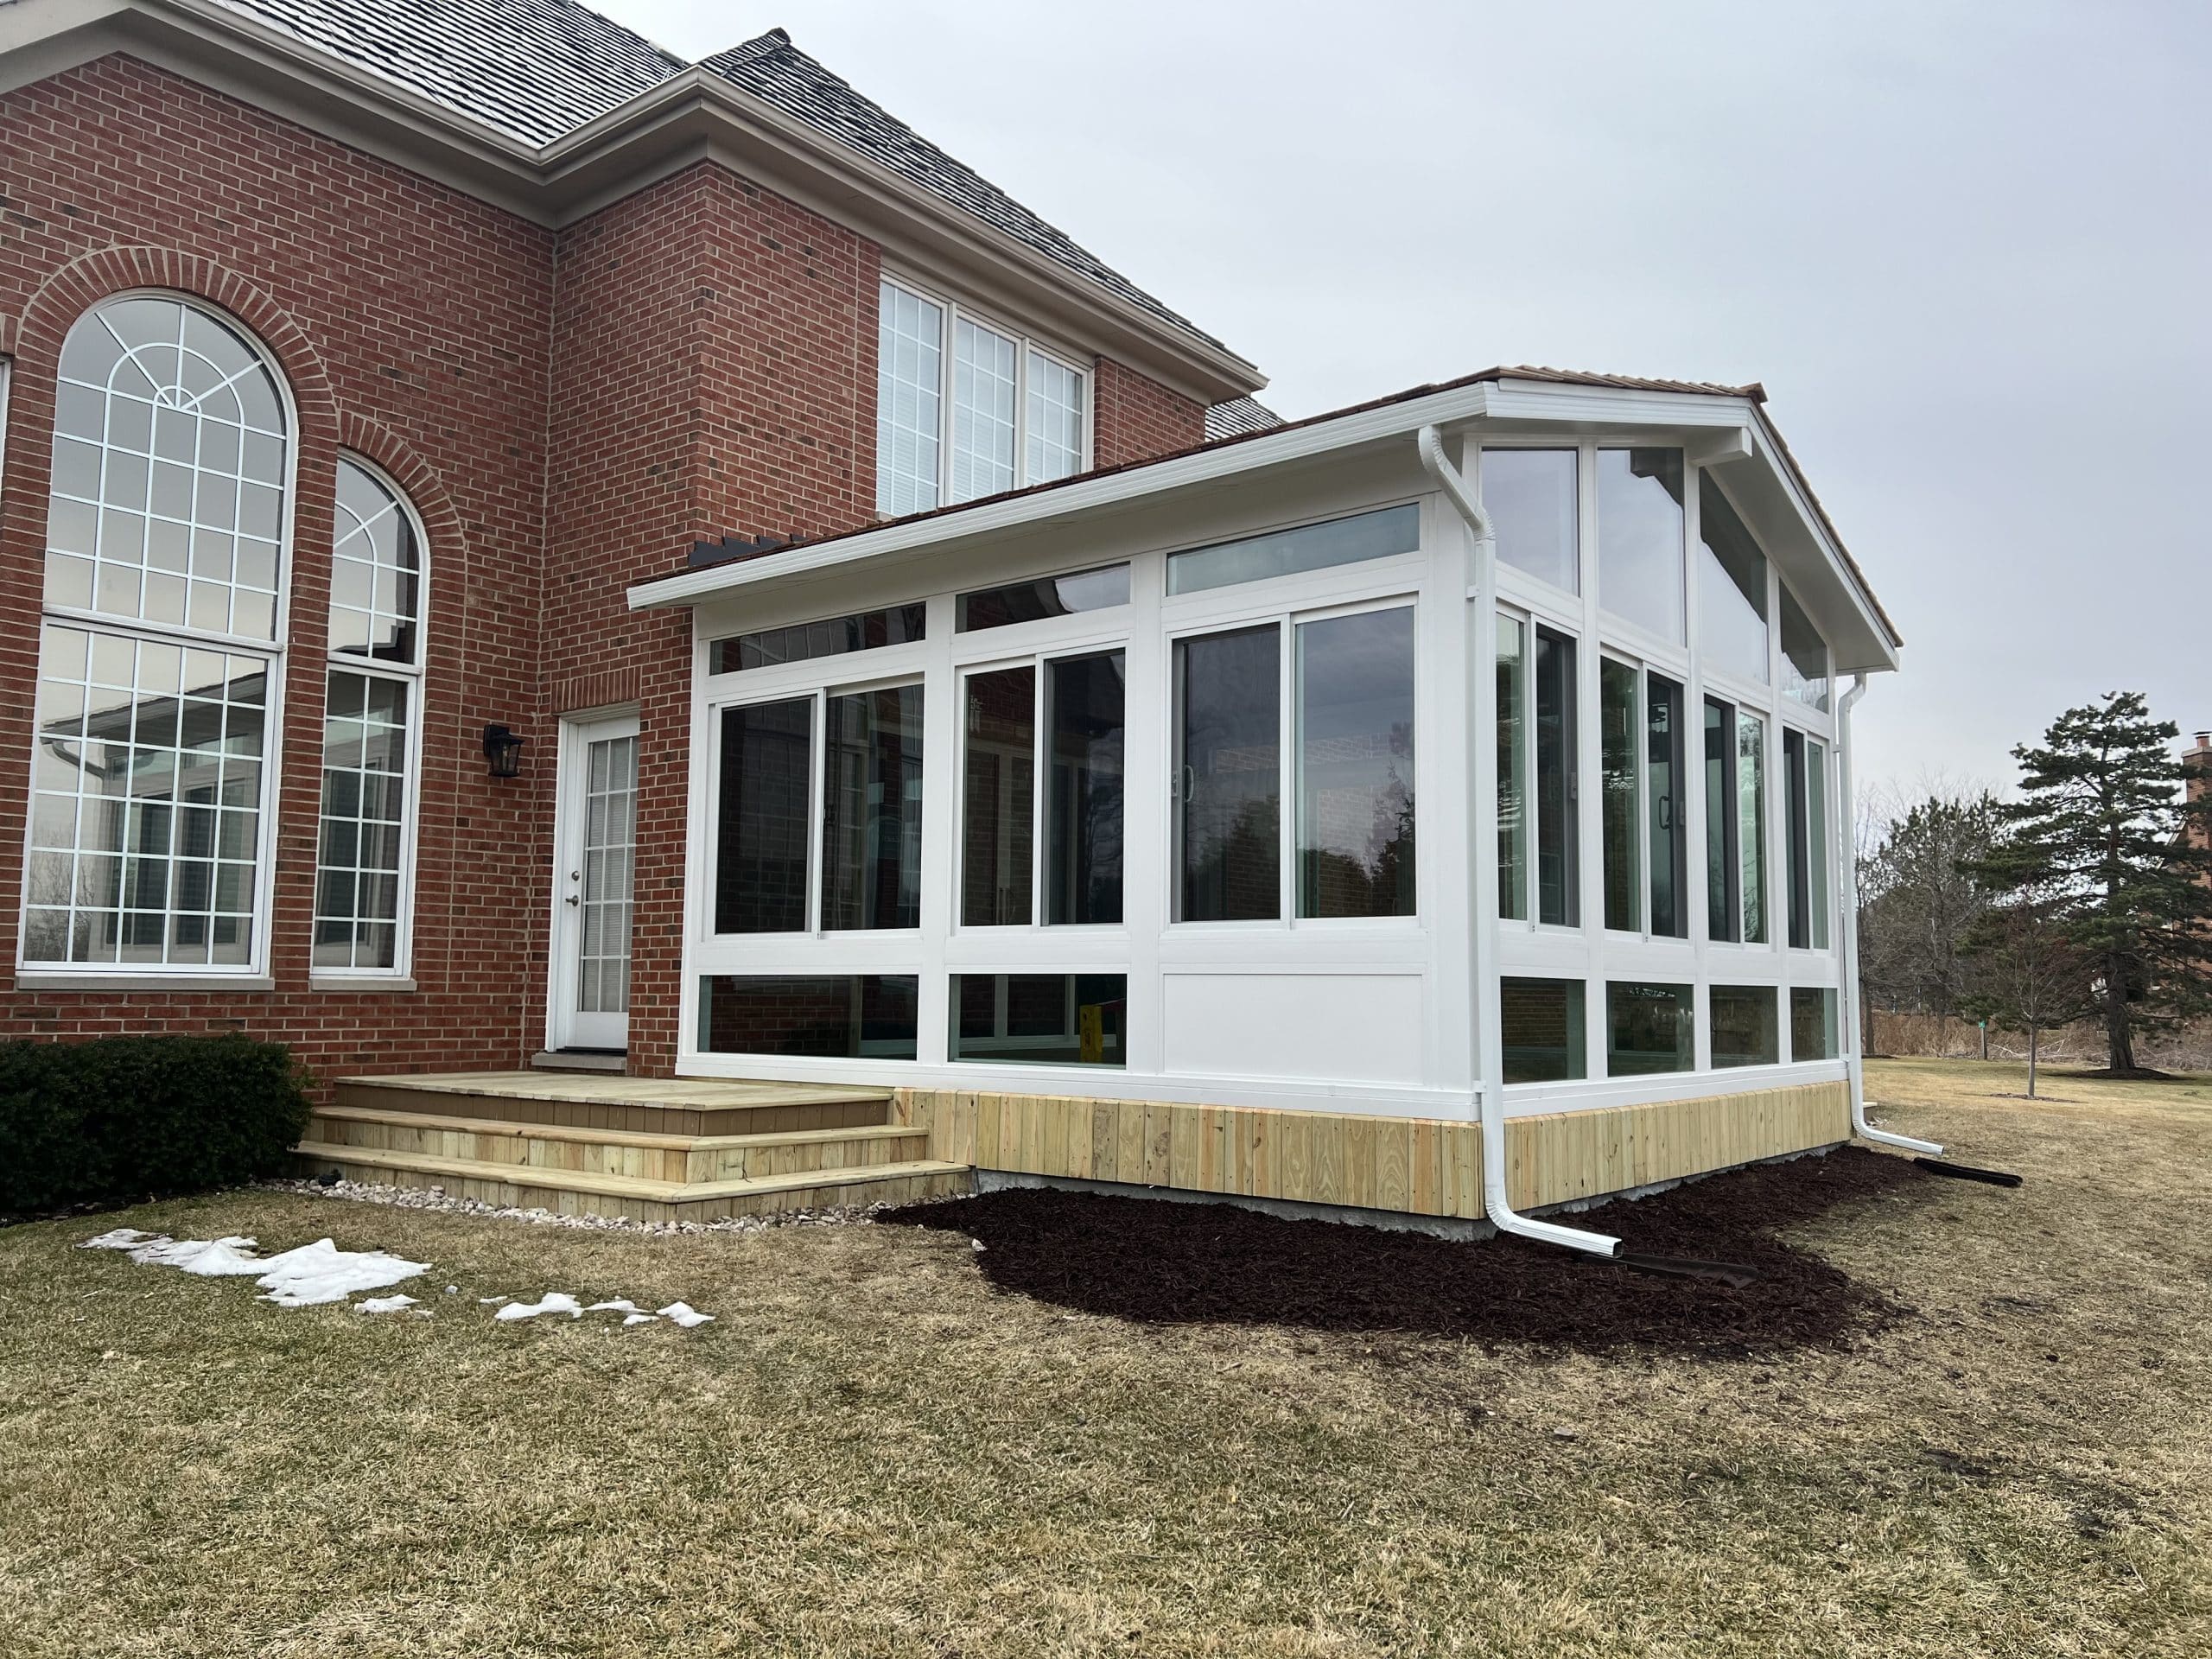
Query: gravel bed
x=437, y=1198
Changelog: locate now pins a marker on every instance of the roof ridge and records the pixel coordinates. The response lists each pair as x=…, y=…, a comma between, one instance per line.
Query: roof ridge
x=747, y=51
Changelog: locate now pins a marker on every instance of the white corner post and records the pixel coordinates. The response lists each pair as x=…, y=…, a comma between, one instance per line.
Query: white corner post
x=1846, y=839
x=1490, y=1094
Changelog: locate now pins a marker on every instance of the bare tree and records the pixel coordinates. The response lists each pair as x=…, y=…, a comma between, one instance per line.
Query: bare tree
x=1918, y=898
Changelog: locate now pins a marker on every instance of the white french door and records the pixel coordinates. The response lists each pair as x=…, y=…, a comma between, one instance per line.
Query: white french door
x=596, y=849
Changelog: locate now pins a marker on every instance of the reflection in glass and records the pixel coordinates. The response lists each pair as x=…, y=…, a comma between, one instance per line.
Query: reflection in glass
x=760, y=817
x=1640, y=539
x=1745, y=1032
x=1663, y=787
x=1731, y=588
x=1648, y=1028
x=1529, y=495
x=872, y=1016
x=1049, y=596
x=1228, y=698
x=1619, y=732
x=1087, y=699
x=1750, y=832
x=1541, y=1021
x=901, y=625
x=1040, y=1018
x=375, y=569
x=1559, y=860
x=872, y=810
x=1723, y=908
x=1355, y=765
x=1804, y=656
x=997, y=852
x=1364, y=535
x=1805, y=777
x=1812, y=1024
x=1512, y=772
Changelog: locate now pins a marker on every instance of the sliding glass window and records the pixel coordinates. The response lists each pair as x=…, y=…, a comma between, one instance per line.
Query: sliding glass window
x=1512, y=770
x=1664, y=797
x=762, y=820
x=1619, y=734
x=1086, y=712
x=1805, y=769
x=1558, y=864
x=999, y=794
x=872, y=810
x=1355, y=765
x=1229, y=775
x=1735, y=823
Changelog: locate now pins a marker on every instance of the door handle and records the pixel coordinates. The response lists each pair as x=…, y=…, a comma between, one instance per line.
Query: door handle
x=572, y=899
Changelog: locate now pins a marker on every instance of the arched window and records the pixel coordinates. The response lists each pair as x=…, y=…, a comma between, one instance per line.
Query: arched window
x=166, y=538
x=370, y=729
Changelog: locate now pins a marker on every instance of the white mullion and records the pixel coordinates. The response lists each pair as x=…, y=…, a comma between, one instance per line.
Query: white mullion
x=1040, y=744
x=817, y=811
x=1288, y=772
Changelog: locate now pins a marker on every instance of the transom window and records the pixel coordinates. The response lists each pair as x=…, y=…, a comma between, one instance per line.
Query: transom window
x=167, y=520
x=371, y=722
x=965, y=408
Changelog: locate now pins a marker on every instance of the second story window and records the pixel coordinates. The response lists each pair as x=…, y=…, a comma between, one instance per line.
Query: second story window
x=964, y=408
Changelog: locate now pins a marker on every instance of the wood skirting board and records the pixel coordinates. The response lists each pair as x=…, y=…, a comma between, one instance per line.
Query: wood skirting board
x=1425, y=1167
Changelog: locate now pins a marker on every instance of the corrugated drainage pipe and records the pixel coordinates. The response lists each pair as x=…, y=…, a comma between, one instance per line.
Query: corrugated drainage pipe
x=1491, y=1098
x=1846, y=839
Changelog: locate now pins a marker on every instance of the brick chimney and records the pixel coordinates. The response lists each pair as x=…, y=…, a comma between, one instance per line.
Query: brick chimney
x=2197, y=768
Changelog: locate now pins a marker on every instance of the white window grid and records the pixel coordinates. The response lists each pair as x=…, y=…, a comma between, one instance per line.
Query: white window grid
x=971, y=412
x=178, y=403
x=368, y=821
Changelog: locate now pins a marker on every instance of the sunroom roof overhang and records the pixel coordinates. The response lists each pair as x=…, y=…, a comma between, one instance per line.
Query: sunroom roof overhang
x=1719, y=428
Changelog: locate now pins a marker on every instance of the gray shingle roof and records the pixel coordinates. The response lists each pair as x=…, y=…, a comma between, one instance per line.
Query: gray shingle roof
x=537, y=69
x=1239, y=416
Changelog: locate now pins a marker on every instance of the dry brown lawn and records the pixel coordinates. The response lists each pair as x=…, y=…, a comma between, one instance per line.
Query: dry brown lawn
x=874, y=1452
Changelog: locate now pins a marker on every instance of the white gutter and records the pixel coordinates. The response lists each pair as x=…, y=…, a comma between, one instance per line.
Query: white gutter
x=1846, y=840
x=1490, y=1094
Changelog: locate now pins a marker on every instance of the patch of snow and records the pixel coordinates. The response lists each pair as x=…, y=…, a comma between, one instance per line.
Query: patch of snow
x=685, y=1315
x=641, y=1318
x=123, y=1238
x=625, y=1305
x=384, y=1304
x=321, y=1271
x=216, y=1258
x=555, y=1301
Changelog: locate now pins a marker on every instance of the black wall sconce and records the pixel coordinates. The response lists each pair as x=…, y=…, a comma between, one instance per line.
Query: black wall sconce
x=504, y=750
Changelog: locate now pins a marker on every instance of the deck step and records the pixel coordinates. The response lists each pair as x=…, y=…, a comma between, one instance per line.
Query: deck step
x=589, y=1193
x=677, y=1106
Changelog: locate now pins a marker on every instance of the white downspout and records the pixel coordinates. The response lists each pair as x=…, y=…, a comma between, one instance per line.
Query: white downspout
x=1847, y=840
x=1490, y=1052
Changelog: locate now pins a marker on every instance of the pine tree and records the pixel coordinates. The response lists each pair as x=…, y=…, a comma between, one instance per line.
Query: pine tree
x=2102, y=829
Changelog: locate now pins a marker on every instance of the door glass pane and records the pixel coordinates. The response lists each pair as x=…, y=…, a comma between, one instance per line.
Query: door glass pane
x=1722, y=907
x=872, y=810
x=1355, y=765
x=1087, y=698
x=1750, y=831
x=760, y=822
x=1648, y=1028
x=1541, y=1021
x=909, y=373
x=609, y=847
x=999, y=795
x=1558, y=862
x=1795, y=829
x=1744, y=1030
x=1663, y=788
x=1816, y=840
x=1228, y=724
x=1529, y=495
x=1731, y=587
x=1039, y=1019
x=1639, y=537
x=1620, y=731
x=983, y=411
x=1512, y=772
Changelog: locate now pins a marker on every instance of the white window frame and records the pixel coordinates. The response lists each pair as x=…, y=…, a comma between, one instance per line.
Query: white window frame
x=256, y=974
x=955, y=313
x=414, y=676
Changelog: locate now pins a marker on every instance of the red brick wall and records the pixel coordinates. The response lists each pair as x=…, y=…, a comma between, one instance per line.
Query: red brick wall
x=413, y=324
x=568, y=414
x=1138, y=418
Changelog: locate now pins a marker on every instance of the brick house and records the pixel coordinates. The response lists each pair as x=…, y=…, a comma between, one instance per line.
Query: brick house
x=610, y=602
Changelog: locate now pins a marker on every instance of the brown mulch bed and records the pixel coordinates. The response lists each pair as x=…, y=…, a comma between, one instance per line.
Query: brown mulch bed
x=1157, y=1262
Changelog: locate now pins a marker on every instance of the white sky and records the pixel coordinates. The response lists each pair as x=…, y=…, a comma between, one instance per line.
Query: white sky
x=1967, y=247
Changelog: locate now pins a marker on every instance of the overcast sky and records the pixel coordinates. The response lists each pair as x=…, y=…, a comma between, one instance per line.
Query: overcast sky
x=1967, y=247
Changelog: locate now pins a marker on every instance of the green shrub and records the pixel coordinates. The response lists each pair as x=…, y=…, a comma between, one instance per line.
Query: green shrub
x=123, y=1118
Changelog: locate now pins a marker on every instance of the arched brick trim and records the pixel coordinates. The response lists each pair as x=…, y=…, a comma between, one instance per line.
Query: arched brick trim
x=73, y=289
x=425, y=490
